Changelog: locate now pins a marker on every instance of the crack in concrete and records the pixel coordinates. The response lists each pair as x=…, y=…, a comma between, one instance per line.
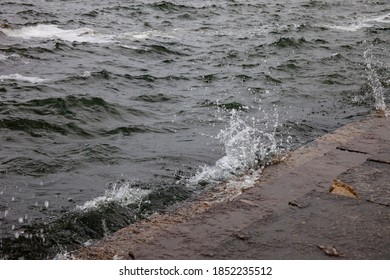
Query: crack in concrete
x=377, y=203
x=350, y=150
x=378, y=160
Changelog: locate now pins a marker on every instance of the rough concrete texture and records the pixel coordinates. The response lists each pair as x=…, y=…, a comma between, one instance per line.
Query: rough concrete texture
x=351, y=229
x=289, y=213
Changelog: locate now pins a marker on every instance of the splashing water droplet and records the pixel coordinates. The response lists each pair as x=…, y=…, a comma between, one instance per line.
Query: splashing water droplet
x=123, y=193
x=248, y=143
x=105, y=228
x=374, y=81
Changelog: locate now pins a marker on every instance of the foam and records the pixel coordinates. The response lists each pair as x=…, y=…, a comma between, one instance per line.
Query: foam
x=9, y=57
x=247, y=144
x=18, y=77
x=361, y=23
x=373, y=78
x=383, y=18
x=54, y=32
x=350, y=27
x=144, y=35
x=51, y=31
x=122, y=194
x=86, y=74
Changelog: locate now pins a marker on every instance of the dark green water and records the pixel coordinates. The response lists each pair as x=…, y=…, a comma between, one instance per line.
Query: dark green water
x=113, y=110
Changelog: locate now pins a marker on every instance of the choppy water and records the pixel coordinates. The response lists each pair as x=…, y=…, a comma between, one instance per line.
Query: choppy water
x=112, y=110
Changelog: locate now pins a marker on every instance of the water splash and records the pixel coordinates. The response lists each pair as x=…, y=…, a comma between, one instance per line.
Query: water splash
x=248, y=144
x=378, y=92
x=122, y=193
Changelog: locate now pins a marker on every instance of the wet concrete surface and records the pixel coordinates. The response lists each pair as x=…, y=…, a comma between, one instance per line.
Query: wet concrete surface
x=289, y=213
x=371, y=181
x=349, y=228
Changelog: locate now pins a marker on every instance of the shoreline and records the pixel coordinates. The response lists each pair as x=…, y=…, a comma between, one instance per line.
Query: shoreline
x=299, y=208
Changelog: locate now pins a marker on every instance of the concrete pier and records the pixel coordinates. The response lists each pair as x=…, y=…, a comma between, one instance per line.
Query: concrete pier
x=327, y=200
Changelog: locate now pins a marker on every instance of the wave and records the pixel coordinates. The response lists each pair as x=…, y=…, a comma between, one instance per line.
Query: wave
x=28, y=166
x=145, y=35
x=11, y=57
x=169, y=7
x=123, y=194
x=122, y=204
x=51, y=31
x=153, y=98
x=40, y=127
x=77, y=117
x=93, y=220
x=81, y=35
x=382, y=19
x=285, y=42
x=350, y=27
x=361, y=23
x=132, y=129
x=18, y=77
x=248, y=144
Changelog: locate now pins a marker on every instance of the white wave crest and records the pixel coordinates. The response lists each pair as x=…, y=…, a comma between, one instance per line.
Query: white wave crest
x=122, y=193
x=51, y=31
x=383, y=18
x=349, y=27
x=9, y=57
x=86, y=74
x=145, y=35
x=18, y=77
x=54, y=32
x=361, y=23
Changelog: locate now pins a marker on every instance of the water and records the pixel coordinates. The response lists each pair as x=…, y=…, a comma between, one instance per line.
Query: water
x=113, y=110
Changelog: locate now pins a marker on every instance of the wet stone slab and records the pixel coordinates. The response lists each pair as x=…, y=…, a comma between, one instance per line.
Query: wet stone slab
x=374, y=142
x=317, y=226
x=370, y=180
